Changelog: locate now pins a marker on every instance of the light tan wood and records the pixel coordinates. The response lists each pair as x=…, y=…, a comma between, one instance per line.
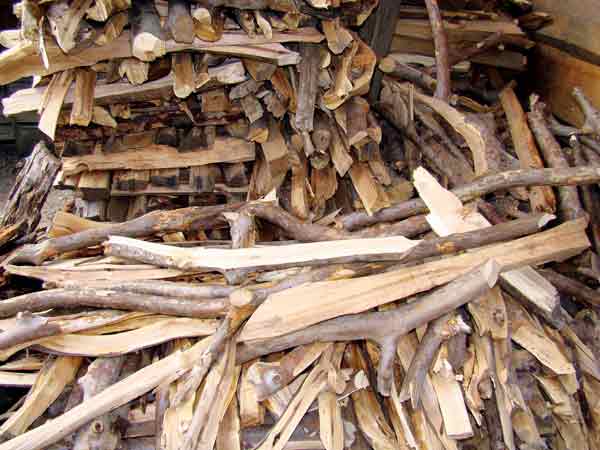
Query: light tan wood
x=103, y=117
x=252, y=412
x=129, y=341
x=65, y=18
x=53, y=100
x=268, y=256
x=22, y=60
x=541, y=198
x=162, y=157
x=49, y=384
x=85, y=85
x=183, y=74
x=305, y=305
x=27, y=363
x=17, y=379
x=452, y=404
x=135, y=70
x=10, y=38
x=372, y=196
x=94, y=185
x=118, y=394
x=447, y=216
x=275, y=153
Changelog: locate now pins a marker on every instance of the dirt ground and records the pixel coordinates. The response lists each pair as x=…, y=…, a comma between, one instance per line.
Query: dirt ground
x=9, y=167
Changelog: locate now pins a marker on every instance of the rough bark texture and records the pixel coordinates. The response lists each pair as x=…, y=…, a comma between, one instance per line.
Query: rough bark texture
x=27, y=196
x=440, y=39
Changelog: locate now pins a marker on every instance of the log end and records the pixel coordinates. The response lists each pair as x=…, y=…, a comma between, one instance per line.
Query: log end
x=147, y=47
x=545, y=219
x=490, y=271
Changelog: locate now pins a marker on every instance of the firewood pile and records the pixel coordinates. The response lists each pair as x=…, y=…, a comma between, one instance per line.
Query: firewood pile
x=299, y=224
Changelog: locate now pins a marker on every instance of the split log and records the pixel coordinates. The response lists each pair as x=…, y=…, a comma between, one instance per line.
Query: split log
x=85, y=85
x=151, y=223
x=353, y=296
x=481, y=187
x=52, y=102
x=385, y=328
x=147, y=42
x=307, y=87
x=27, y=196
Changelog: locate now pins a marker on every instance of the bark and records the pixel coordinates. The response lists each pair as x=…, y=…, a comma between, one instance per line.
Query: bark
x=107, y=298
x=29, y=327
x=592, y=115
x=23, y=208
x=184, y=219
x=440, y=40
x=101, y=433
x=571, y=287
x=406, y=72
x=483, y=186
x=385, y=328
x=569, y=204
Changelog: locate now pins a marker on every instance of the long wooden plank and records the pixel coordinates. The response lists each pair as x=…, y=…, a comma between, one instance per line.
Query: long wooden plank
x=225, y=149
x=270, y=256
x=311, y=303
x=23, y=60
x=17, y=379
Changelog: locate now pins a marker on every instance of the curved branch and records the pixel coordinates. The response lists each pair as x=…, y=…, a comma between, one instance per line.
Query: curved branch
x=383, y=327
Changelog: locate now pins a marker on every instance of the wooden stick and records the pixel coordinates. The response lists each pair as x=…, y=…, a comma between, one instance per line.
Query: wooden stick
x=154, y=222
x=106, y=298
x=484, y=185
x=592, y=115
x=569, y=204
x=440, y=40
x=332, y=252
x=385, y=328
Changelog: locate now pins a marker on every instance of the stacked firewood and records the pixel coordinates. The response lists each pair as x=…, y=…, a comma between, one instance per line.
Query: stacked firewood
x=310, y=233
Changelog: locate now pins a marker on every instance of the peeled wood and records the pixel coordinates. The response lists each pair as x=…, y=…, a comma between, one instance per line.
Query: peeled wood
x=147, y=41
x=307, y=87
x=283, y=312
x=114, y=396
x=225, y=149
x=183, y=74
x=482, y=186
